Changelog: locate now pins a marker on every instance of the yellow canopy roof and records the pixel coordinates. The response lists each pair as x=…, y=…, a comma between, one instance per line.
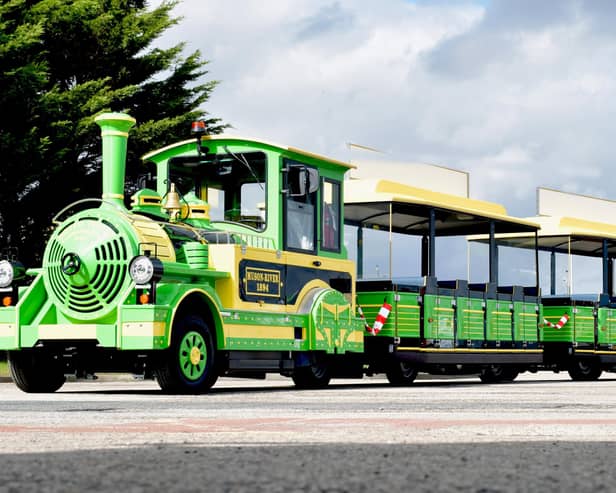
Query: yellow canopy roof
x=375, y=203
x=564, y=235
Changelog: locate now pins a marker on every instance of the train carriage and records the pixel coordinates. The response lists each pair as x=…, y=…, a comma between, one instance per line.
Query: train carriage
x=442, y=325
x=578, y=327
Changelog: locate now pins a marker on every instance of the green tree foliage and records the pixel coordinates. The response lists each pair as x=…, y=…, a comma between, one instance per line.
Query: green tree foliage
x=63, y=62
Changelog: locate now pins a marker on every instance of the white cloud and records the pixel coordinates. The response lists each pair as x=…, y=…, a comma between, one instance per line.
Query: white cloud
x=517, y=92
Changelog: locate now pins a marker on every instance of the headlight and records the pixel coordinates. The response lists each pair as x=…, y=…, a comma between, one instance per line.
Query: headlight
x=6, y=273
x=144, y=269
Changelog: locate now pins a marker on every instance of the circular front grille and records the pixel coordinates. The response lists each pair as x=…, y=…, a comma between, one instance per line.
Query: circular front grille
x=102, y=252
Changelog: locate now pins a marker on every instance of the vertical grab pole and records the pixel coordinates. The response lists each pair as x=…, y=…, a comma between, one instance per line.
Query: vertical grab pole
x=606, y=281
x=431, y=245
x=360, y=252
x=493, y=255
x=553, y=272
x=390, y=240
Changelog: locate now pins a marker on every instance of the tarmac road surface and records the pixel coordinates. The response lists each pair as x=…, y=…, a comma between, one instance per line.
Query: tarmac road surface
x=540, y=433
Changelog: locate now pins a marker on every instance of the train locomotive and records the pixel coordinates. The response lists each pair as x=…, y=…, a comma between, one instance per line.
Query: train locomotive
x=234, y=263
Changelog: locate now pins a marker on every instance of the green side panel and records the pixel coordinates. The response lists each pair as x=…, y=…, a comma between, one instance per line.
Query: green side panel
x=439, y=314
x=470, y=313
x=144, y=327
x=607, y=326
x=499, y=320
x=405, y=313
x=332, y=327
x=553, y=314
x=525, y=321
x=584, y=324
x=9, y=337
x=260, y=331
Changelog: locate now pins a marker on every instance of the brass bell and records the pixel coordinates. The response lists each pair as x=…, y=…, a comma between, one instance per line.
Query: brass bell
x=172, y=201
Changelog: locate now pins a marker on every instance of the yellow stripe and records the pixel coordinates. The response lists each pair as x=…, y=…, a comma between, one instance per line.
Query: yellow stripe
x=501, y=313
x=67, y=331
x=466, y=350
x=414, y=307
x=259, y=331
x=145, y=329
x=528, y=315
x=113, y=196
x=117, y=133
x=579, y=317
x=438, y=309
x=472, y=311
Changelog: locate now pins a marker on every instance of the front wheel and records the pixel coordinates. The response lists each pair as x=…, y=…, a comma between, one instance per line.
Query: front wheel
x=400, y=373
x=35, y=371
x=314, y=376
x=585, y=370
x=189, y=364
x=498, y=374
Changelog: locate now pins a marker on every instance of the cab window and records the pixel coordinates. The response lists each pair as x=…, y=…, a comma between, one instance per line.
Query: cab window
x=301, y=185
x=233, y=184
x=330, y=215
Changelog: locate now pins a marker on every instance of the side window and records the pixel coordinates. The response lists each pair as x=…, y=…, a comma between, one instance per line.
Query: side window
x=301, y=185
x=330, y=215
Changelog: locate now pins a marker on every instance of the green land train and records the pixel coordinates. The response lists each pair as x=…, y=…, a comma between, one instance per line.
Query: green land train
x=232, y=260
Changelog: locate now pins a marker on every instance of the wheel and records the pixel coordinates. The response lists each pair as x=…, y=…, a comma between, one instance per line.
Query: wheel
x=189, y=364
x=401, y=373
x=584, y=370
x=35, y=371
x=314, y=376
x=498, y=373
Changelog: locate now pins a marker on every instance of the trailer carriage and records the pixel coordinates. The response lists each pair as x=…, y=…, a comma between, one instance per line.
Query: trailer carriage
x=442, y=325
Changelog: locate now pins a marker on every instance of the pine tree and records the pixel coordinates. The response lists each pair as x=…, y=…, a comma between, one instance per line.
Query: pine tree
x=84, y=57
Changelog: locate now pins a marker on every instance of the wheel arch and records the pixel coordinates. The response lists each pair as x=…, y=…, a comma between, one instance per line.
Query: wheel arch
x=199, y=302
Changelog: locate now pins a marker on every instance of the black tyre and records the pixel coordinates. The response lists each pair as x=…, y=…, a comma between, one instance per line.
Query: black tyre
x=498, y=374
x=314, y=376
x=585, y=370
x=189, y=364
x=401, y=373
x=35, y=371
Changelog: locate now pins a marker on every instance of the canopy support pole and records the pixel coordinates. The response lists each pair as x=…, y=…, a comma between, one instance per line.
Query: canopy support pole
x=493, y=255
x=360, y=252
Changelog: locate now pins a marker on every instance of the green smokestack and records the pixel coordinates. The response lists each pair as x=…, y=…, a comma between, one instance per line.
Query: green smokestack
x=114, y=133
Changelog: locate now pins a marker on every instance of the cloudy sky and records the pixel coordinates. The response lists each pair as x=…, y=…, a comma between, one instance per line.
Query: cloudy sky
x=519, y=93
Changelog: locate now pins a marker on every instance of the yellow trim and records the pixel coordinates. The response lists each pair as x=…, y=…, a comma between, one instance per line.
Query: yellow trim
x=501, y=313
x=150, y=232
x=115, y=133
x=113, y=196
x=580, y=317
x=227, y=258
x=259, y=331
x=145, y=329
x=414, y=307
x=354, y=335
x=467, y=350
x=67, y=331
x=534, y=315
x=439, y=309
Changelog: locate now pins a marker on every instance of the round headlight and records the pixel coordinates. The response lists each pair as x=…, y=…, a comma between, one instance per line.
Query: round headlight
x=6, y=273
x=141, y=269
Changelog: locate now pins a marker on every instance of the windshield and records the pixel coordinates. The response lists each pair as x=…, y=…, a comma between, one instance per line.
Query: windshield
x=232, y=183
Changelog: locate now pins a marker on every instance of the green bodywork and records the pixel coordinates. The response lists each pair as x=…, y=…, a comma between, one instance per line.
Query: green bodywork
x=99, y=302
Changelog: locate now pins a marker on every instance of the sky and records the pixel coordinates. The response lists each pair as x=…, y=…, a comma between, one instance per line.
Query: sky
x=518, y=93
